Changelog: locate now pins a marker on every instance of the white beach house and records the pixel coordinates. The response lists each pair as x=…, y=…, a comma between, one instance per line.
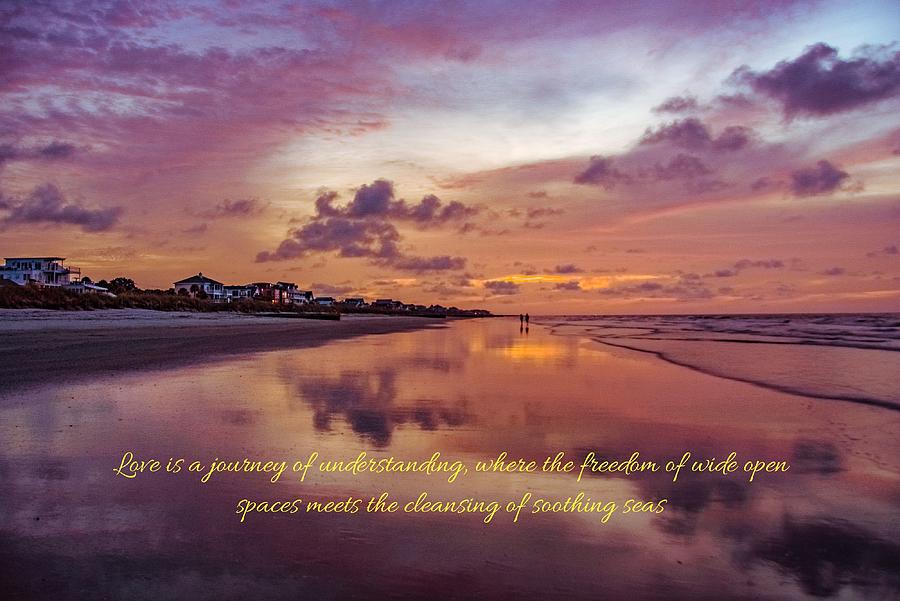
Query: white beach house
x=41, y=271
x=196, y=284
x=239, y=292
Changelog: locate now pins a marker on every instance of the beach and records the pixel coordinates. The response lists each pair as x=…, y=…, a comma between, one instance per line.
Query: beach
x=40, y=345
x=473, y=391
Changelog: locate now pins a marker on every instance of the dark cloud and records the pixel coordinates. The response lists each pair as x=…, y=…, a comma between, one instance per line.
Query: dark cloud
x=53, y=151
x=818, y=82
x=762, y=183
x=821, y=179
x=378, y=200
x=320, y=288
x=244, y=207
x=692, y=134
x=677, y=104
x=47, y=204
x=200, y=228
x=502, y=287
x=56, y=150
x=633, y=289
x=364, y=228
x=759, y=264
x=423, y=264
x=682, y=166
x=686, y=287
x=834, y=271
x=600, y=172
x=535, y=212
x=889, y=250
x=570, y=285
x=349, y=237
x=525, y=268
x=567, y=268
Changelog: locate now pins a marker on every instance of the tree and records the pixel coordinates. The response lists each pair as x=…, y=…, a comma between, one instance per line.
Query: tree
x=121, y=284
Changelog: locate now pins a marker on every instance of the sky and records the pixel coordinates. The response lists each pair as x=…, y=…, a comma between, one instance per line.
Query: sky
x=548, y=156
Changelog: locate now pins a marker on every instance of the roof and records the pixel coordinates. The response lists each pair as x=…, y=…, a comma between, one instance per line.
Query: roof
x=198, y=279
x=35, y=258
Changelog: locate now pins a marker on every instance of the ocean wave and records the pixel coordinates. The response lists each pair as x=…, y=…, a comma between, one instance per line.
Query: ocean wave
x=842, y=357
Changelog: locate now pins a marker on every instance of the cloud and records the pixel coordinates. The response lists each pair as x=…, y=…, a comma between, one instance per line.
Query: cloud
x=600, y=172
x=570, y=285
x=692, y=134
x=364, y=228
x=330, y=289
x=244, y=207
x=682, y=166
x=47, y=204
x=200, y=228
x=378, y=200
x=53, y=151
x=889, y=250
x=821, y=179
x=536, y=212
x=501, y=287
x=677, y=104
x=834, y=271
x=818, y=82
x=567, y=269
x=759, y=264
x=725, y=273
x=422, y=264
x=686, y=287
x=349, y=237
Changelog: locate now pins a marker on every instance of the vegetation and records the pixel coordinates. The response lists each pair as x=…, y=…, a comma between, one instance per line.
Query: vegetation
x=128, y=296
x=34, y=297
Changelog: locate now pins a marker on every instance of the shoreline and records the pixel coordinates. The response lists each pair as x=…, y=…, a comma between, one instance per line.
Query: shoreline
x=42, y=346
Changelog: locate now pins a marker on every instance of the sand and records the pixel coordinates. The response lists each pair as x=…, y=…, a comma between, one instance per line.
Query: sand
x=39, y=346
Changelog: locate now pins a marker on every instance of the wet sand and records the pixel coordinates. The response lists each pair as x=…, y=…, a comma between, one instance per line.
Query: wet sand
x=38, y=346
x=69, y=529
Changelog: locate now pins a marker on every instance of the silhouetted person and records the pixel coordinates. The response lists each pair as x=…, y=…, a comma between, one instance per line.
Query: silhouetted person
x=521, y=319
x=526, y=319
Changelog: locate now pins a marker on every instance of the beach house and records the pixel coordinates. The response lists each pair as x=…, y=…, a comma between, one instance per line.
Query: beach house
x=197, y=284
x=40, y=271
x=302, y=297
x=239, y=292
x=356, y=302
x=383, y=303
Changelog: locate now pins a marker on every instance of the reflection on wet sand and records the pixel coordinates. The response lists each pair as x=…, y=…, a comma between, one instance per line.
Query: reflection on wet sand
x=69, y=530
x=367, y=403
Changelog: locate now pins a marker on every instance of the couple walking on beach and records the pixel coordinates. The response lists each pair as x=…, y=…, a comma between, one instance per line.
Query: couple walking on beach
x=523, y=319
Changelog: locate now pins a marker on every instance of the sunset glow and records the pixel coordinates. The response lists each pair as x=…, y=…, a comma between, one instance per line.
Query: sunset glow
x=570, y=157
